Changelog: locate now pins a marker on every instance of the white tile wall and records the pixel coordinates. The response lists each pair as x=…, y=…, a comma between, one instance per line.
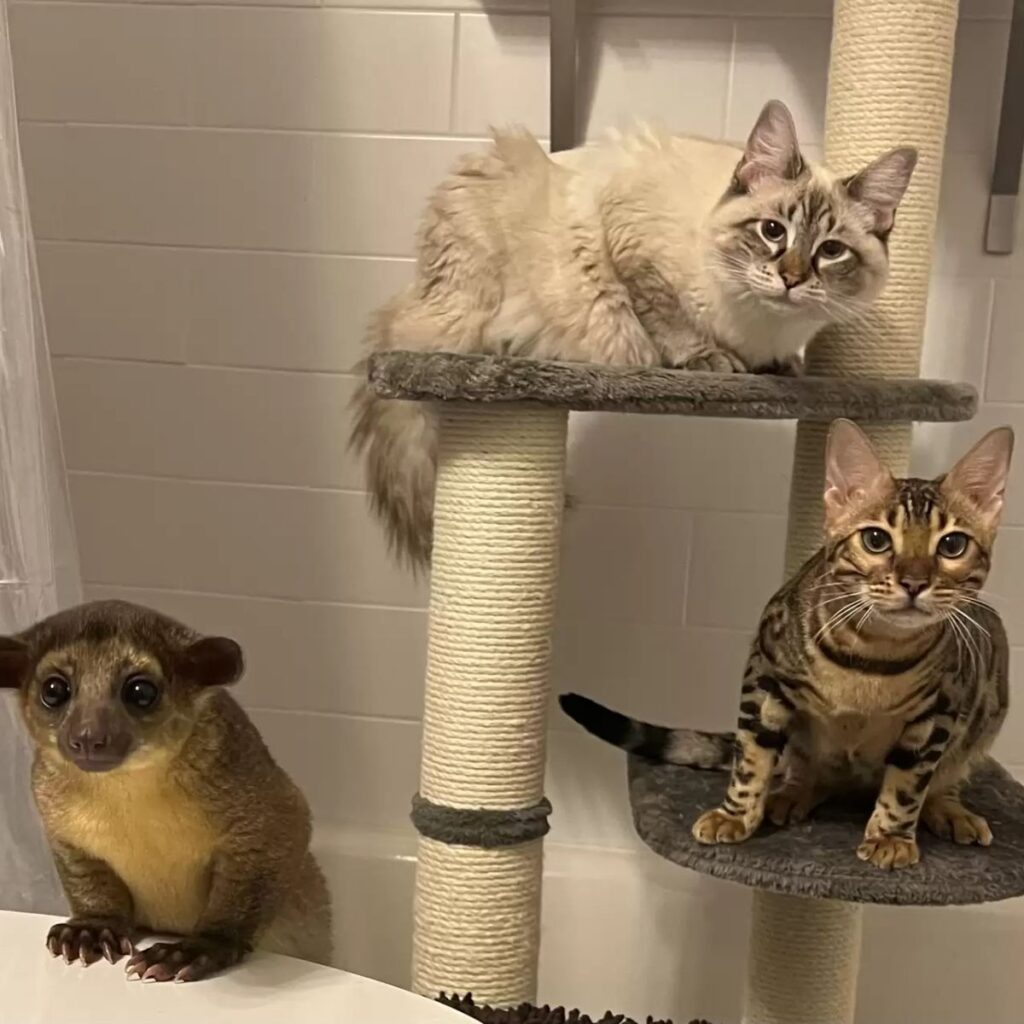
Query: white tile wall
x=222, y=193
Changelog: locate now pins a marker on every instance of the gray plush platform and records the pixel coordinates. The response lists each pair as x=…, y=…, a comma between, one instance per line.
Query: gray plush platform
x=817, y=858
x=440, y=376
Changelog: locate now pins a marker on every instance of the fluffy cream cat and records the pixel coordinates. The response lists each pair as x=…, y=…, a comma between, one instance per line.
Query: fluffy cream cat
x=644, y=249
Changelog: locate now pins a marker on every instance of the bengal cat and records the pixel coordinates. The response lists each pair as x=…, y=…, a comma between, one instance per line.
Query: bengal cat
x=877, y=666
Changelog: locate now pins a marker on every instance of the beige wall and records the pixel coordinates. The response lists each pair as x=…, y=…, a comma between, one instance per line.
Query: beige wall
x=221, y=193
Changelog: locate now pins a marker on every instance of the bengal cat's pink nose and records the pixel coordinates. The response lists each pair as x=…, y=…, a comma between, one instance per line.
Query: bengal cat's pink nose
x=913, y=586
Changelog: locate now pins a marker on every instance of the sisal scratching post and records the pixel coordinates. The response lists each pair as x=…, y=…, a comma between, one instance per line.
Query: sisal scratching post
x=819, y=943
x=888, y=86
x=889, y=79
x=481, y=810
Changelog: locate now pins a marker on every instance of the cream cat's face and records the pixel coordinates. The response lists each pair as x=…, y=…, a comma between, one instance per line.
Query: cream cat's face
x=795, y=239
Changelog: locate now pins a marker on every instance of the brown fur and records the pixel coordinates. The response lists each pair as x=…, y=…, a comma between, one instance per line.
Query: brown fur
x=191, y=828
x=871, y=670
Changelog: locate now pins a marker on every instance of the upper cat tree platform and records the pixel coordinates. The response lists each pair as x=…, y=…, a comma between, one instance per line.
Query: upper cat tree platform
x=817, y=858
x=443, y=377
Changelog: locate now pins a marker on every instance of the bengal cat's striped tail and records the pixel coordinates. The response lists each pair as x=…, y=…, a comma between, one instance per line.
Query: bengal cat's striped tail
x=688, y=747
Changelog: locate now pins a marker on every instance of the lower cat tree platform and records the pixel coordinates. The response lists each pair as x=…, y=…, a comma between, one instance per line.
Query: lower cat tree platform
x=817, y=859
x=481, y=810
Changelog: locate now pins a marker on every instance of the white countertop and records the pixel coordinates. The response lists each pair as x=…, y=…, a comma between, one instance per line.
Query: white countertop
x=36, y=988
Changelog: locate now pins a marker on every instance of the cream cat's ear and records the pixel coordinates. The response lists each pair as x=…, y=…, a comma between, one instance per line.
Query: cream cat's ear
x=880, y=186
x=772, y=150
x=981, y=475
x=854, y=473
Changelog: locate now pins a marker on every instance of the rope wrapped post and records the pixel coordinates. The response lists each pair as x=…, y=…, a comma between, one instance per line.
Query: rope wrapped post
x=889, y=79
x=481, y=810
x=819, y=940
x=888, y=85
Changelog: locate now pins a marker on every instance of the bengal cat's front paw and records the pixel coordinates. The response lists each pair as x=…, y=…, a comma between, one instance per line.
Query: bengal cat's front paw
x=719, y=826
x=954, y=821
x=790, y=806
x=889, y=852
x=189, y=960
x=88, y=939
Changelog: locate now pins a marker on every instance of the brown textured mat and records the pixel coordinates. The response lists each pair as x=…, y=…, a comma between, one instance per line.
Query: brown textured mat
x=527, y=1014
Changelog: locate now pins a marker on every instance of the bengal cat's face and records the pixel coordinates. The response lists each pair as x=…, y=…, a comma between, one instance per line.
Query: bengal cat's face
x=913, y=557
x=913, y=551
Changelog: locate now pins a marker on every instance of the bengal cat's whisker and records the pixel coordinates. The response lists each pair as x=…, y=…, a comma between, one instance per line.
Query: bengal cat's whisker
x=953, y=626
x=974, y=622
x=844, y=614
x=868, y=612
x=968, y=642
x=836, y=618
x=830, y=600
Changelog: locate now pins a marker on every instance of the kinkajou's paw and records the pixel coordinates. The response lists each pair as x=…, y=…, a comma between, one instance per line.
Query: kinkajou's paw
x=188, y=960
x=89, y=939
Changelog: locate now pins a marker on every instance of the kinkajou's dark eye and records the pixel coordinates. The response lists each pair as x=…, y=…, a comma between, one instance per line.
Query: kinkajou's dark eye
x=140, y=692
x=55, y=691
x=875, y=540
x=772, y=231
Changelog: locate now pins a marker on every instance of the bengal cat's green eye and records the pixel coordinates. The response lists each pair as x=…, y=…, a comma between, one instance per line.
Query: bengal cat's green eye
x=875, y=540
x=953, y=545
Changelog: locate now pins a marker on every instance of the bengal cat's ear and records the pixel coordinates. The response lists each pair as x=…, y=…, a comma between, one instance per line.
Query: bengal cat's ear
x=980, y=476
x=772, y=150
x=854, y=474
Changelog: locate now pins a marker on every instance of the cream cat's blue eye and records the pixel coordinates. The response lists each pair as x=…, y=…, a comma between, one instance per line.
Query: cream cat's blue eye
x=953, y=545
x=875, y=540
x=772, y=231
x=832, y=249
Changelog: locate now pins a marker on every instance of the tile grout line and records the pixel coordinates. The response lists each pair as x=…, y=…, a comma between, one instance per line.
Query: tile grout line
x=453, y=81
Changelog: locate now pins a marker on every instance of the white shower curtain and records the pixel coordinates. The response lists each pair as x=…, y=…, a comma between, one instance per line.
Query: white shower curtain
x=38, y=560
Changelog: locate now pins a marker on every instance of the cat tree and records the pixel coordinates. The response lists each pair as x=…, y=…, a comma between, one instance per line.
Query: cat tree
x=481, y=810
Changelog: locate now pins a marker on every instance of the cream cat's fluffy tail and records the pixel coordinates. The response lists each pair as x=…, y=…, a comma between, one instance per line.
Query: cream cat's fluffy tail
x=399, y=443
x=458, y=292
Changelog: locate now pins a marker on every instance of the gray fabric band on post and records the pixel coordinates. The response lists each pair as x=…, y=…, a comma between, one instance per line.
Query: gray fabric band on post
x=487, y=829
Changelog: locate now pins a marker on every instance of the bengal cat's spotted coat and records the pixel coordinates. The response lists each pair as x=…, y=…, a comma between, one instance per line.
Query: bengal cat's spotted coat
x=877, y=666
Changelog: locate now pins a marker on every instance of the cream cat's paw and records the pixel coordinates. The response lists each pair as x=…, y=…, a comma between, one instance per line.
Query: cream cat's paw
x=791, y=367
x=710, y=360
x=719, y=826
